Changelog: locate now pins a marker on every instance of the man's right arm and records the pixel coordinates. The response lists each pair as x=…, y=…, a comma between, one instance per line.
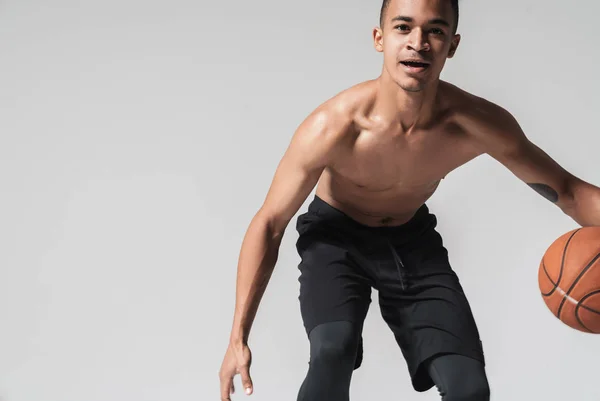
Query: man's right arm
x=310, y=151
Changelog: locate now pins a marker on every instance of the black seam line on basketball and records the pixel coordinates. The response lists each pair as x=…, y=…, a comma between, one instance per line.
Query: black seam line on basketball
x=581, y=305
x=582, y=325
x=547, y=294
x=589, y=309
x=579, y=276
x=562, y=263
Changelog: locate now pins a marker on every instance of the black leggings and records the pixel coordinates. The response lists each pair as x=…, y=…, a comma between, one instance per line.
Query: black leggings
x=333, y=348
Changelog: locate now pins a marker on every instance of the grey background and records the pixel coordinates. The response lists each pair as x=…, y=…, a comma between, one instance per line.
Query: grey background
x=138, y=139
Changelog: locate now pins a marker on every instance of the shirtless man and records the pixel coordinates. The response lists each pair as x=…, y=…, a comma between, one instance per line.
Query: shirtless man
x=378, y=152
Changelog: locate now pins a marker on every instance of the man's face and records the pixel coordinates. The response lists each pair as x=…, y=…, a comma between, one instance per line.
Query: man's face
x=416, y=40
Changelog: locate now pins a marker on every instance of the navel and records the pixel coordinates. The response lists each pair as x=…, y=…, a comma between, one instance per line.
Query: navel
x=386, y=220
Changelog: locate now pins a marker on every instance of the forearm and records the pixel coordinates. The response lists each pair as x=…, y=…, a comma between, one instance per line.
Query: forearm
x=584, y=206
x=257, y=260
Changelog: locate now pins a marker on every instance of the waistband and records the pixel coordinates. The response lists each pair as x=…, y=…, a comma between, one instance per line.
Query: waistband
x=420, y=220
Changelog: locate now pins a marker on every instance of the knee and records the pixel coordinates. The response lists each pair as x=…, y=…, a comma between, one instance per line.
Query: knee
x=333, y=343
x=475, y=391
x=460, y=378
x=332, y=349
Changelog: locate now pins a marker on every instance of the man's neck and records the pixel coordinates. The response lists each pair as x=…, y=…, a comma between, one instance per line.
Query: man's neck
x=407, y=110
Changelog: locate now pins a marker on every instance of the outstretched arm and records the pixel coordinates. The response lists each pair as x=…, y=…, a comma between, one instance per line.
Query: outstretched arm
x=311, y=149
x=497, y=133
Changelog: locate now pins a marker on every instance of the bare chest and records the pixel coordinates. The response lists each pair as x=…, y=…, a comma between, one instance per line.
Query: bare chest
x=382, y=162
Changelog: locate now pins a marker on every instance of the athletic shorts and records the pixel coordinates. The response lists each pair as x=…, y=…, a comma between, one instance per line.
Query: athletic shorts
x=420, y=296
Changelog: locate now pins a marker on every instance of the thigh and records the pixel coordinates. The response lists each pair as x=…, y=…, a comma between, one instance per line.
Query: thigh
x=332, y=287
x=431, y=316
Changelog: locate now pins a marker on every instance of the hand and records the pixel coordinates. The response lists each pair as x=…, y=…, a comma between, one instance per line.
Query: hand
x=238, y=358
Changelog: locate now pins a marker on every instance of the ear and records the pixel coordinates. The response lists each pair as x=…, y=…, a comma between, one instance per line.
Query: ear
x=454, y=46
x=378, y=39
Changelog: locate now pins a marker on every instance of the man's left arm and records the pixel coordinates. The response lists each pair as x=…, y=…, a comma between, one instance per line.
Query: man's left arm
x=497, y=133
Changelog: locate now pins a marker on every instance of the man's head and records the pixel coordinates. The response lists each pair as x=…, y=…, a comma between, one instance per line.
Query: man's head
x=416, y=37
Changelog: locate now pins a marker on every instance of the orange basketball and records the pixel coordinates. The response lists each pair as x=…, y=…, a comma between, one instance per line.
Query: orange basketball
x=569, y=279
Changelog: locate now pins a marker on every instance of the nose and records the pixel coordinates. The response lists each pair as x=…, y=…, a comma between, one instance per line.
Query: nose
x=418, y=41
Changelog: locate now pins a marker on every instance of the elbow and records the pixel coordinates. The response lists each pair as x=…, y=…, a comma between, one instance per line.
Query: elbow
x=274, y=226
x=582, y=203
x=567, y=200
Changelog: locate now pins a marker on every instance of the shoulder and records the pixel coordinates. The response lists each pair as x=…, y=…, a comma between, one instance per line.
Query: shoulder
x=489, y=126
x=337, y=116
x=324, y=131
x=468, y=107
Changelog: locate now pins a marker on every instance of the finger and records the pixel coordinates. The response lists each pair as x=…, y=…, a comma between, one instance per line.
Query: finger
x=246, y=380
x=226, y=386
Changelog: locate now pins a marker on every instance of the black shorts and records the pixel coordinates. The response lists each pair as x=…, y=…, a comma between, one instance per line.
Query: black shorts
x=420, y=296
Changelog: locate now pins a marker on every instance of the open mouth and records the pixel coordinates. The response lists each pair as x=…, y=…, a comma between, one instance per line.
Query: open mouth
x=415, y=64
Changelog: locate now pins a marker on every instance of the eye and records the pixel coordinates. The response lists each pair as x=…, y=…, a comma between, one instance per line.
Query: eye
x=437, y=31
x=402, y=27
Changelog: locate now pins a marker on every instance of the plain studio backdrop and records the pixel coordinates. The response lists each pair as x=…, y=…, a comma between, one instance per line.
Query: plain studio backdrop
x=138, y=139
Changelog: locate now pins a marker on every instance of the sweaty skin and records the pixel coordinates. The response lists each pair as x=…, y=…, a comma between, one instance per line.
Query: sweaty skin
x=380, y=175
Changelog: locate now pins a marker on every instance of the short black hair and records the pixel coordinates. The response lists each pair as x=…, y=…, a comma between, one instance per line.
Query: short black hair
x=386, y=3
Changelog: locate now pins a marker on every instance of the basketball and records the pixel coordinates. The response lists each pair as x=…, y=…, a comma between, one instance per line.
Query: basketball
x=569, y=279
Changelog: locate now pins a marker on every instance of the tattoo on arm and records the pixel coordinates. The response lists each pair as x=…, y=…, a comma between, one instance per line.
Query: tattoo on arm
x=546, y=191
